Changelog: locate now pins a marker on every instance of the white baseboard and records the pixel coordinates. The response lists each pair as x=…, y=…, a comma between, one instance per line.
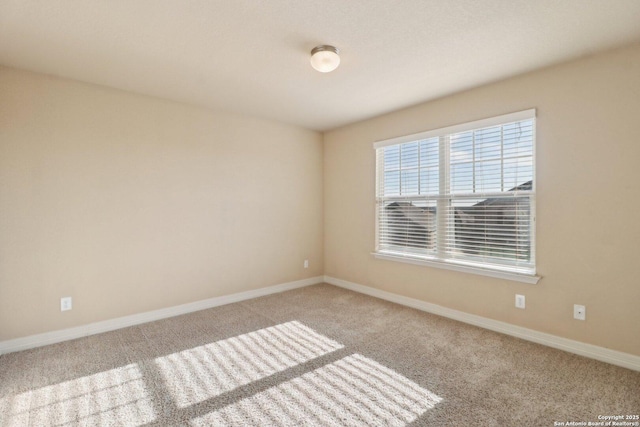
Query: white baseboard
x=53, y=337
x=613, y=357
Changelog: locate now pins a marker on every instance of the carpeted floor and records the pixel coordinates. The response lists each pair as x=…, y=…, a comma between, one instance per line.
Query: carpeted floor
x=319, y=355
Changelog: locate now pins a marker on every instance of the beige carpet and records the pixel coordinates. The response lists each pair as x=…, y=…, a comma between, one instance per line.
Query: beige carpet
x=319, y=355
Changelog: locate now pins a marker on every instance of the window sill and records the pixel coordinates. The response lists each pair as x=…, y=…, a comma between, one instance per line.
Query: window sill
x=500, y=274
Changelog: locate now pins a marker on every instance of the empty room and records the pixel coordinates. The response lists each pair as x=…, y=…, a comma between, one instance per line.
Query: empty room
x=319, y=213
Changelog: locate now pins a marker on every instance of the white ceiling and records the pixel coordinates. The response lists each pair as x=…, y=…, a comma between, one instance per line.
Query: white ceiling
x=252, y=56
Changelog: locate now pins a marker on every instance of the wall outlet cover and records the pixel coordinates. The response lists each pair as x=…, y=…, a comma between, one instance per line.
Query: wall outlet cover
x=66, y=303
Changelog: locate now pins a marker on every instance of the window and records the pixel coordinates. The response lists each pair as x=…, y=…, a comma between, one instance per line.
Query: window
x=461, y=197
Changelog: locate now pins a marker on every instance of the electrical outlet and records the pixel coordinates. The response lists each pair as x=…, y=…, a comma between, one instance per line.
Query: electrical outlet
x=519, y=301
x=66, y=303
x=579, y=312
x=306, y=263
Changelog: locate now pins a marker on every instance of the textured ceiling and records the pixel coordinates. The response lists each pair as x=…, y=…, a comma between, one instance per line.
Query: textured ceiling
x=252, y=56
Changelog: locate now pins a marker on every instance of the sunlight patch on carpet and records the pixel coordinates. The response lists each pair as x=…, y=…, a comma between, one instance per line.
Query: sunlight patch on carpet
x=114, y=397
x=355, y=391
x=207, y=371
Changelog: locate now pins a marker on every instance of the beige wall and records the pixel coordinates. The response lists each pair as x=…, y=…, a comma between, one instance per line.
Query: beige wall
x=588, y=202
x=129, y=203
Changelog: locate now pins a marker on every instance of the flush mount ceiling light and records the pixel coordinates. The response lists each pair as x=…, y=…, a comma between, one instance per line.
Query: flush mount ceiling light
x=325, y=58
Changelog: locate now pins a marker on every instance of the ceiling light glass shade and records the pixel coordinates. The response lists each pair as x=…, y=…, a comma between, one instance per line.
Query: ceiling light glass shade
x=325, y=58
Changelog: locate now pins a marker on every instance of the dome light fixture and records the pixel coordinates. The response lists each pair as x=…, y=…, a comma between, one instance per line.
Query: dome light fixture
x=325, y=58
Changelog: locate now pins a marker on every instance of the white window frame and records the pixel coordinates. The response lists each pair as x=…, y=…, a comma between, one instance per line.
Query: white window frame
x=525, y=275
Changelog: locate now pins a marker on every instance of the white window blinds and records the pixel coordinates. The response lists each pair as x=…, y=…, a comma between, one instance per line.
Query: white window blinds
x=463, y=194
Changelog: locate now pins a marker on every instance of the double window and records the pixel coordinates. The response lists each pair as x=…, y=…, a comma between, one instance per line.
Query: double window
x=460, y=196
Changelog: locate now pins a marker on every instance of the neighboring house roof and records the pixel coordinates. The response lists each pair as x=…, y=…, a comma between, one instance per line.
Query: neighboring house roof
x=473, y=223
x=422, y=217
